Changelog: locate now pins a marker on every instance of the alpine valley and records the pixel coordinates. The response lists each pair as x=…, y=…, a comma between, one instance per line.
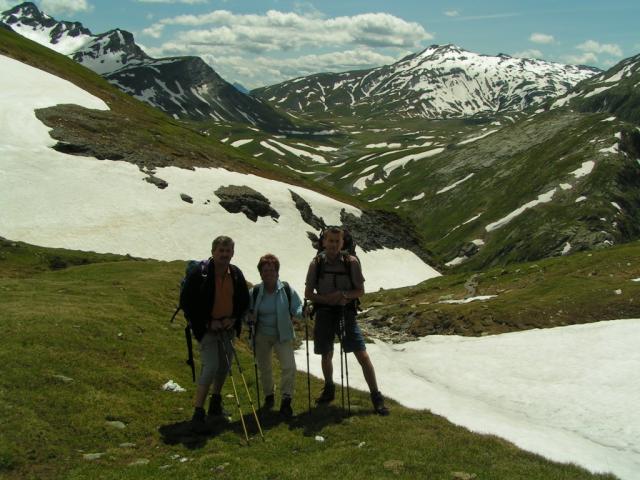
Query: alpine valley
x=486, y=194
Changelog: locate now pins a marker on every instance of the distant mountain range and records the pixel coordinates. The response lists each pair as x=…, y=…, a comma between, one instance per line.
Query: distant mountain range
x=439, y=82
x=184, y=87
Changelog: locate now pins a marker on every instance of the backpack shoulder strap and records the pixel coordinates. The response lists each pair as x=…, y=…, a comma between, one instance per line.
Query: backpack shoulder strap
x=254, y=295
x=287, y=290
x=319, y=261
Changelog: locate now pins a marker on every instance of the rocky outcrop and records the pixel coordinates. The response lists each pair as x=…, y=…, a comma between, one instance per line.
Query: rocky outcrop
x=305, y=211
x=243, y=199
x=158, y=182
x=377, y=229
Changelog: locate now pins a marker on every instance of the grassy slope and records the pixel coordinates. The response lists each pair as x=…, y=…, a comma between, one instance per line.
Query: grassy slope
x=579, y=288
x=511, y=167
x=105, y=325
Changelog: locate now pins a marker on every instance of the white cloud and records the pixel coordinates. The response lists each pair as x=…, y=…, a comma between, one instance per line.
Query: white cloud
x=452, y=13
x=188, y=2
x=587, y=58
x=491, y=16
x=262, y=70
x=531, y=53
x=541, y=38
x=6, y=5
x=280, y=31
x=591, y=46
x=54, y=7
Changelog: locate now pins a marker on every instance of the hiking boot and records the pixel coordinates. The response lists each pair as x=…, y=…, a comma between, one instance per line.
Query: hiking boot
x=269, y=402
x=215, y=407
x=198, y=421
x=285, y=407
x=378, y=404
x=328, y=393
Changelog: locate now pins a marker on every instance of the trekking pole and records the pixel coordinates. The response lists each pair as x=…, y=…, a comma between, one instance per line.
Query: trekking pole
x=306, y=338
x=235, y=391
x=252, y=337
x=346, y=363
x=255, y=415
x=341, y=360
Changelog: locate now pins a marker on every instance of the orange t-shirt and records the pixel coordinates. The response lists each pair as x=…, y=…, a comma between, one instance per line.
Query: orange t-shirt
x=223, y=301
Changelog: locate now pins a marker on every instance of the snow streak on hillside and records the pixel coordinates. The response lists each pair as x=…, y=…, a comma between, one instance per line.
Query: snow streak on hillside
x=58, y=200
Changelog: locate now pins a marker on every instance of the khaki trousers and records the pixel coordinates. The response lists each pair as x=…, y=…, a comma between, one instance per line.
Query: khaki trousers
x=265, y=346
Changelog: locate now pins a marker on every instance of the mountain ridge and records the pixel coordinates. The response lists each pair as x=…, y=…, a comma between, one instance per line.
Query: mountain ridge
x=442, y=81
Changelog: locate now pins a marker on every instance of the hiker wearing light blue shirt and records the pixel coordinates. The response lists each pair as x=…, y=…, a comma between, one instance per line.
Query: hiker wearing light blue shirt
x=273, y=306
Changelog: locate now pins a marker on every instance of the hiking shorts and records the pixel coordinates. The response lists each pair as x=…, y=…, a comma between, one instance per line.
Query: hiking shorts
x=327, y=328
x=214, y=359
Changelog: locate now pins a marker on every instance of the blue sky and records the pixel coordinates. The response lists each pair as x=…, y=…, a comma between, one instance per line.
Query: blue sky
x=261, y=42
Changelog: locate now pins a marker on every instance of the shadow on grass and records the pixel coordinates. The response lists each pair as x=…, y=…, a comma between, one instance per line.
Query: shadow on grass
x=311, y=423
x=182, y=432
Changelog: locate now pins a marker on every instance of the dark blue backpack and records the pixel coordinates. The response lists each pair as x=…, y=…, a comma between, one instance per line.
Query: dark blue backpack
x=192, y=266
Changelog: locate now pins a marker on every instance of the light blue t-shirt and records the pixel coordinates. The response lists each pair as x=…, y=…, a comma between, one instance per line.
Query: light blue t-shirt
x=267, y=317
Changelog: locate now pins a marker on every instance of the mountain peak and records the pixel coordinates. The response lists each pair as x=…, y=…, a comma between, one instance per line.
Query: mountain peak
x=26, y=11
x=23, y=9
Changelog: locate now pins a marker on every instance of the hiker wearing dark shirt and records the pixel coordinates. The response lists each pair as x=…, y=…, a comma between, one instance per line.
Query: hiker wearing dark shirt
x=334, y=283
x=214, y=301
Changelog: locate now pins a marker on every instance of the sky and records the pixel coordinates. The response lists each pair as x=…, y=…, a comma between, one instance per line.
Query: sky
x=263, y=42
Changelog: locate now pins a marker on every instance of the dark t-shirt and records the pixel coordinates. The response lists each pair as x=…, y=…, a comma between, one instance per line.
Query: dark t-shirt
x=335, y=276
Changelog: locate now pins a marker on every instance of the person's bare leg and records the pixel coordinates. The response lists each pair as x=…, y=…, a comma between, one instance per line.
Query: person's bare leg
x=327, y=367
x=367, y=370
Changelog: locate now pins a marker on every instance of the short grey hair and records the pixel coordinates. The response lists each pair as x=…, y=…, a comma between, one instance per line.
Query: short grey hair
x=221, y=240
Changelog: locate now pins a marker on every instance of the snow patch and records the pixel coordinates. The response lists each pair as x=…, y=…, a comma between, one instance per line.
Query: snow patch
x=454, y=185
x=239, y=143
x=542, y=198
x=584, y=170
x=479, y=298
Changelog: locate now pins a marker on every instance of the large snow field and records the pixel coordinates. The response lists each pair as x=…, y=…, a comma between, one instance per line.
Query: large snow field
x=568, y=393
x=58, y=200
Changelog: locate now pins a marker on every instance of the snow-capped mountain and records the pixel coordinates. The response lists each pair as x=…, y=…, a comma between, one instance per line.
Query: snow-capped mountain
x=184, y=87
x=188, y=87
x=439, y=82
x=61, y=36
x=110, y=51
